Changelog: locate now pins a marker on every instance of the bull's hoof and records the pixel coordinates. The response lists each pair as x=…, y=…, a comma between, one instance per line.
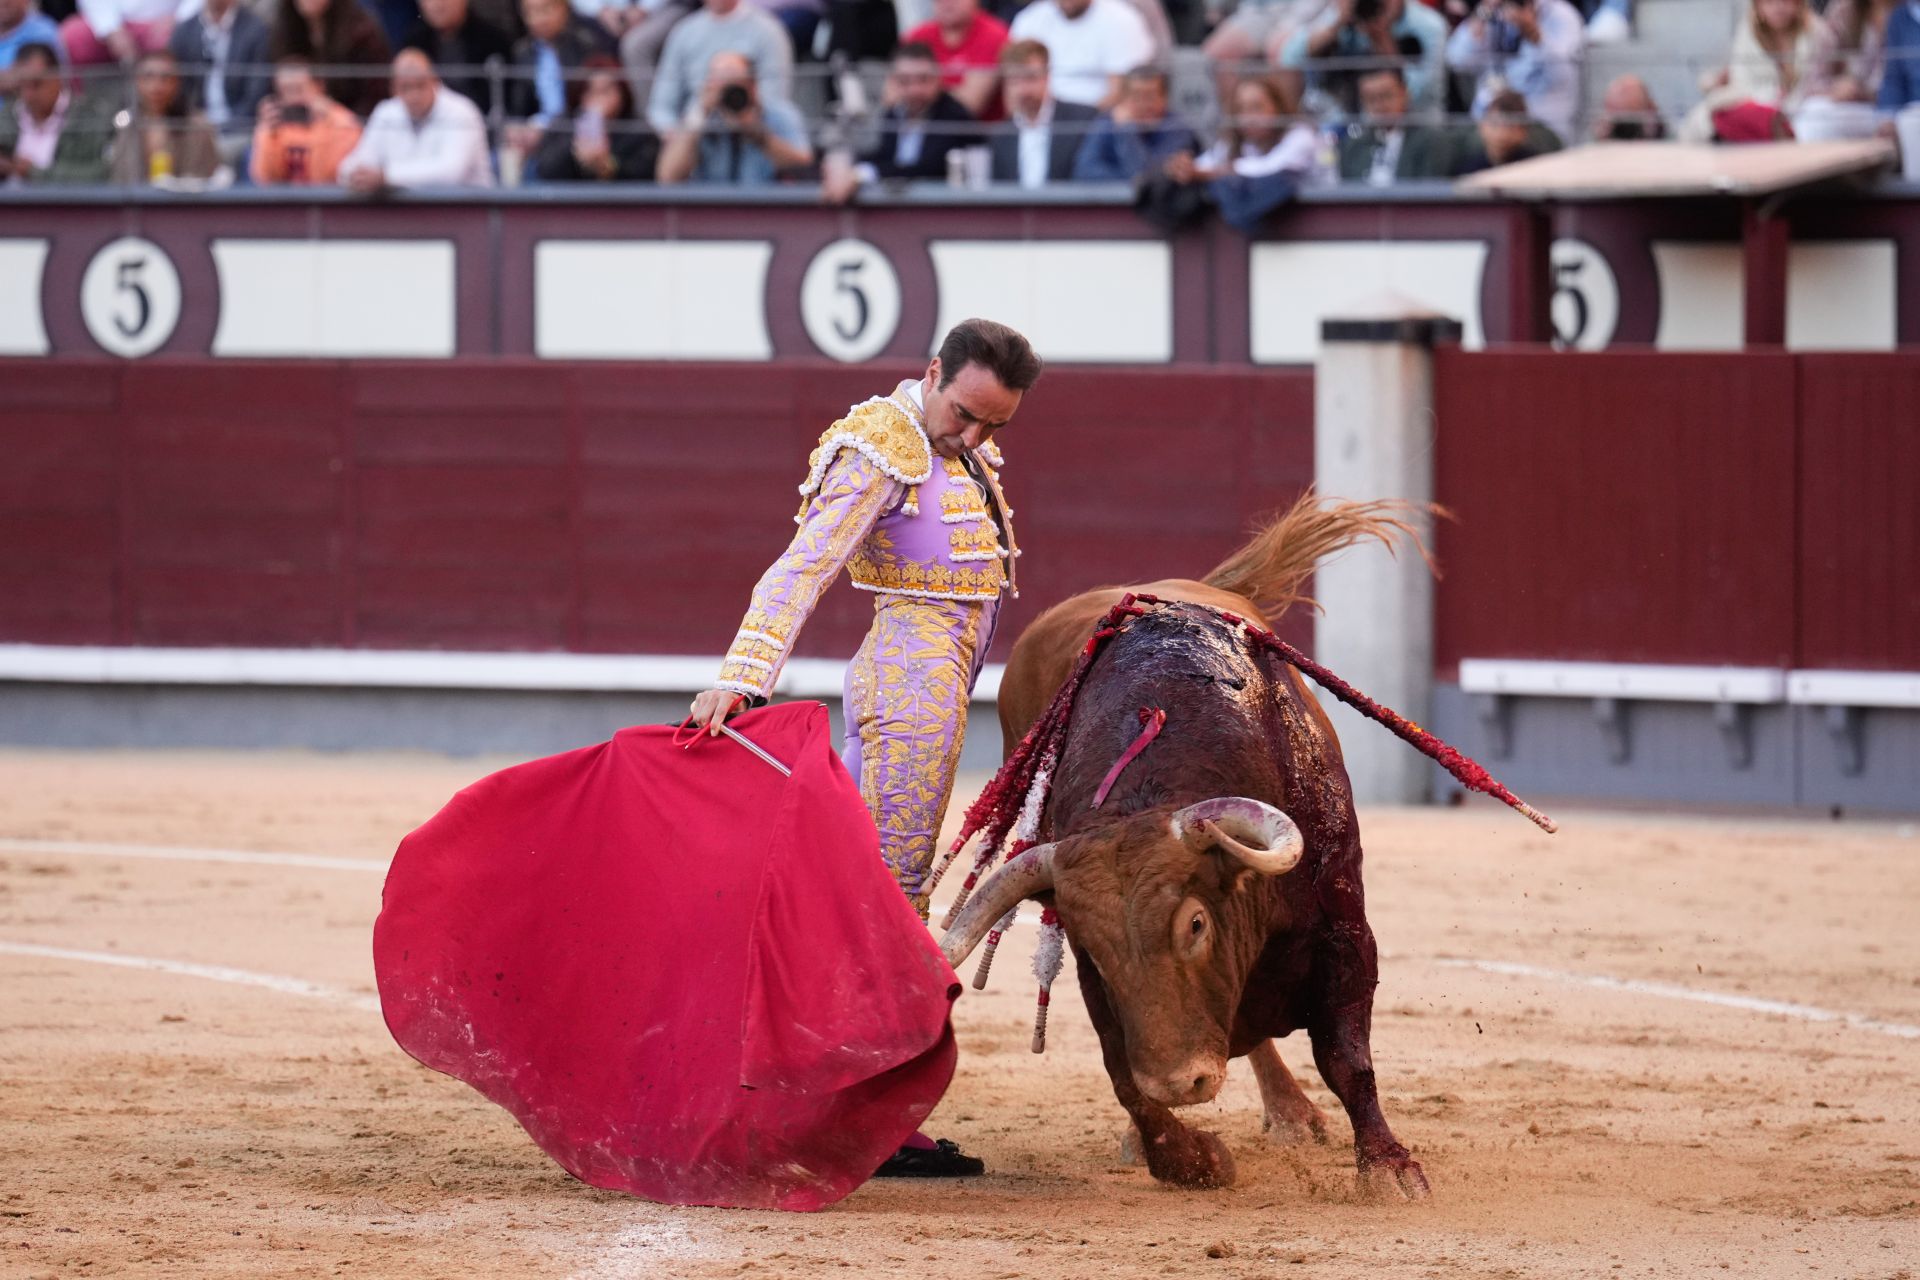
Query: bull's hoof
x=1191, y=1158
x=1293, y=1128
x=1394, y=1177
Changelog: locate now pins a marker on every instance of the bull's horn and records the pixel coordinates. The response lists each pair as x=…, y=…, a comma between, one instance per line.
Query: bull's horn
x=1255, y=832
x=1025, y=876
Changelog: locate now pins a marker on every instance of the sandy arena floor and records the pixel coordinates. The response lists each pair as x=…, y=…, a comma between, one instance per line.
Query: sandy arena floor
x=197, y=1123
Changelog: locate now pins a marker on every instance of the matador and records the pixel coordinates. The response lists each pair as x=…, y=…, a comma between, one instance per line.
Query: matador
x=903, y=493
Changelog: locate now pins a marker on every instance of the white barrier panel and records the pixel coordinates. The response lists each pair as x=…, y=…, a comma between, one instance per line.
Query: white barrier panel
x=1702, y=297
x=1105, y=300
x=1639, y=680
x=22, y=263
x=335, y=298
x=411, y=669
x=1293, y=287
x=651, y=299
x=1842, y=296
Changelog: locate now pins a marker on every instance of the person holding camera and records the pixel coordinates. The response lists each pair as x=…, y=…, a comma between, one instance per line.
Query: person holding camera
x=1353, y=37
x=731, y=135
x=1533, y=47
x=301, y=135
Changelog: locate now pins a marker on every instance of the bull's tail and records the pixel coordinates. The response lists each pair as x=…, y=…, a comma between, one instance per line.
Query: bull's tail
x=1273, y=566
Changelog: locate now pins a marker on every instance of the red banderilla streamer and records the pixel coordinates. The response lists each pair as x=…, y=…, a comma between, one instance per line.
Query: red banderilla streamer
x=1155, y=720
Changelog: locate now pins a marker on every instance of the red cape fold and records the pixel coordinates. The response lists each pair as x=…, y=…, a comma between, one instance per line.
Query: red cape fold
x=688, y=977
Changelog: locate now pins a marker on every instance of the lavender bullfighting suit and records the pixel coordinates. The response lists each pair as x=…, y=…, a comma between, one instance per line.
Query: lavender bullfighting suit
x=932, y=538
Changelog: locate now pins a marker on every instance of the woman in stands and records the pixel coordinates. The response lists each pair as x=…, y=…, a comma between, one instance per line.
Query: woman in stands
x=1776, y=50
x=160, y=140
x=336, y=33
x=1264, y=134
x=1852, y=37
x=602, y=141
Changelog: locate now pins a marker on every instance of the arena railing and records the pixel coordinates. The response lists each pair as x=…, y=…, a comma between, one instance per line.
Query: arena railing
x=838, y=116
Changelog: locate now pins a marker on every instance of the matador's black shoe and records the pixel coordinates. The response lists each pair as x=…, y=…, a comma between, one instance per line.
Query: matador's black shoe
x=943, y=1160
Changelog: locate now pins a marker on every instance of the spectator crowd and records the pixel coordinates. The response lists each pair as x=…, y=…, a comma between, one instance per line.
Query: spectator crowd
x=1194, y=105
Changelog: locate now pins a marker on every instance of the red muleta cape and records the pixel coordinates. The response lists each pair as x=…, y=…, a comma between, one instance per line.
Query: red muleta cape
x=688, y=977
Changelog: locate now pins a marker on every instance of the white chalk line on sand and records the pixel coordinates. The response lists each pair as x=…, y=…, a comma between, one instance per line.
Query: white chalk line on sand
x=1673, y=991
x=176, y=853
x=187, y=968
x=296, y=986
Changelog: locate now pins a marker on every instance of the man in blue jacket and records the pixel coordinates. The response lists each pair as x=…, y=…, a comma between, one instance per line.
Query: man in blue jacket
x=1138, y=136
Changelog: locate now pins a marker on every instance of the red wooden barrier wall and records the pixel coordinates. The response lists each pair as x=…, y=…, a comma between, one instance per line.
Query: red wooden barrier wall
x=529, y=505
x=1746, y=509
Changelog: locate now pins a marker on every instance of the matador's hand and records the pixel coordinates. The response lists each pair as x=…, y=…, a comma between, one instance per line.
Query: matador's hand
x=712, y=707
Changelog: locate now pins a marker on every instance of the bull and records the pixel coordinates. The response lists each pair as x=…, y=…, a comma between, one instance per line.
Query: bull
x=1213, y=899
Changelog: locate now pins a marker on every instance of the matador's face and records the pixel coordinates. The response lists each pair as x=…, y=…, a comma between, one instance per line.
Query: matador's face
x=966, y=412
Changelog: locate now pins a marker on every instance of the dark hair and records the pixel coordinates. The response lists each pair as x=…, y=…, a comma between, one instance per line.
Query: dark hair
x=1003, y=352
x=915, y=51
x=589, y=65
x=1016, y=51
x=1152, y=71
x=1509, y=103
x=38, y=49
x=1393, y=69
x=177, y=107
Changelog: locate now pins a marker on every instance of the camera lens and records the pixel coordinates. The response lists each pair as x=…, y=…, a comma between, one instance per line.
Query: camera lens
x=734, y=98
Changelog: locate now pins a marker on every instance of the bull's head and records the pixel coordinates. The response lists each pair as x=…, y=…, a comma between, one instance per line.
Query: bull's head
x=1163, y=904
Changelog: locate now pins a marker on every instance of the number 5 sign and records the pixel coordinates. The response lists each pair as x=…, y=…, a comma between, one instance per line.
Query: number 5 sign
x=130, y=297
x=850, y=300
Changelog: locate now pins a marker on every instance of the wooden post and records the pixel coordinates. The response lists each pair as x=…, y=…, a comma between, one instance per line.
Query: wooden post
x=1764, y=237
x=1529, y=273
x=1373, y=438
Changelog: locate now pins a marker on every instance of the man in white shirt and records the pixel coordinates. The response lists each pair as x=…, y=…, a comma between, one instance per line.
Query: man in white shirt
x=1091, y=44
x=1041, y=137
x=423, y=136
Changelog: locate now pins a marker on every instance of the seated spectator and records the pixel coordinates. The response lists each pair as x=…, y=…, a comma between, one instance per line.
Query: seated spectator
x=967, y=44
x=451, y=34
x=732, y=134
x=1042, y=137
x=230, y=41
x=1900, y=81
x=1386, y=148
x=645, y=37
x=1775, y=50
x=921, y=124
x=21, y=25
x=1352, y=31
x=1852, y=41
x=1264, y=154
x=1534, y=47
x=1091, y=45
x=1628, y=113
x=1262, y=135
x=302, y=135
x=603, y=141
x=335, y=33
x=1505, y=133
x=1138, y=136
x=616, y=17
x=48, y=132
x=558, y=41
x=686, y=60
x=117, y=30
x=161, y=139
x=423, y=136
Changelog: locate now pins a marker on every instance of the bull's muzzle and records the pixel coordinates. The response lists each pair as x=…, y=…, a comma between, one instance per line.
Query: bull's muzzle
x=1196, y=1080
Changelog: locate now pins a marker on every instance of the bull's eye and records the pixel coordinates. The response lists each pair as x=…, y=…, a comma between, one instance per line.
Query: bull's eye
x=1196, y=926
